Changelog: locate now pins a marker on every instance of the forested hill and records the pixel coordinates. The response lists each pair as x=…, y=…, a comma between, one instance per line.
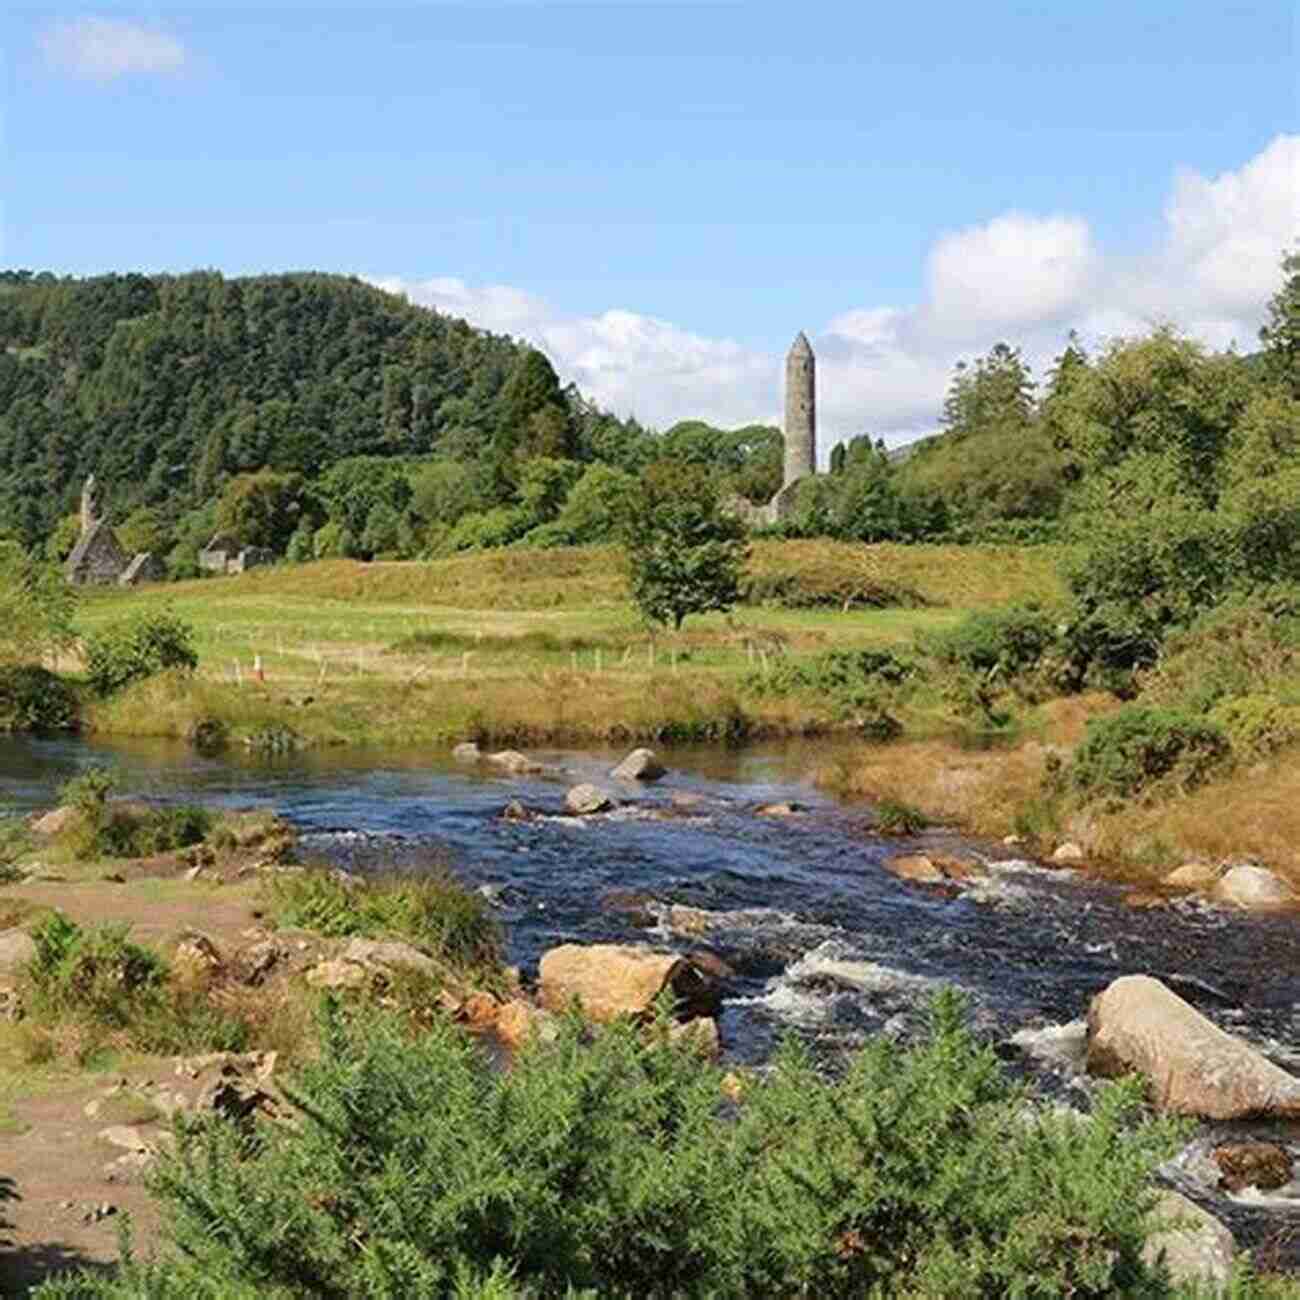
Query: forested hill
x=167, y=386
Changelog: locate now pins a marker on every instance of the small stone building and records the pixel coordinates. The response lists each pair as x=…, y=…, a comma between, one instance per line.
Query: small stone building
x=144, y=567
x=224, y=554
x=98, y=559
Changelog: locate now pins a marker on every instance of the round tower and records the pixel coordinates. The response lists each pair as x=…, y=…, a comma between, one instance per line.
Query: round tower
x=800, y=411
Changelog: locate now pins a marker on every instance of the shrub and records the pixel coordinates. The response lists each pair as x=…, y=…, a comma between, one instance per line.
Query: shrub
x=496, y=527
x=893, y=817
x=137, y=647
x=34, y=699
x=1258, y=725
x=1128, y=751
x=95, y=988
x=614, y=1168
x=1001, y=643
x=864, y=684
x=122, y=830
x=98, y=972
x=1247, y=645
x=432, y=910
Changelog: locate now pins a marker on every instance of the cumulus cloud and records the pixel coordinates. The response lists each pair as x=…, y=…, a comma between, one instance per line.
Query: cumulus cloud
x=1024, y=278
x=104, y=49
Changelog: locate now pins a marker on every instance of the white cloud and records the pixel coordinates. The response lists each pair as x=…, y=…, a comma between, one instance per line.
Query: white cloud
x=1017, y=269
x=1021, y=278
x=103, y=49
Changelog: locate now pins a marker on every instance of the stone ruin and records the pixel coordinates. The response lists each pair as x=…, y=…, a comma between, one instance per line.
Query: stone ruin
x=98, y=560
x=800, y=438
x=225, y=554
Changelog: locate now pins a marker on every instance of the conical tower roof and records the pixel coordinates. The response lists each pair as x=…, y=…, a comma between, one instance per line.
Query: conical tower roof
x=800, y=346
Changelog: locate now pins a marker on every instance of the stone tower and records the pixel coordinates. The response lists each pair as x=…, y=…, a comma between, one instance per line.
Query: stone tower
x=800, y=411
x=90, y=505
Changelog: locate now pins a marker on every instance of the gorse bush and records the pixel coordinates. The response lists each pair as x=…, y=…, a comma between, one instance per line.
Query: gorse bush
x=1129, y=751
x=614, y=1167
x=136, y=647
x=431, y=910
x=1258, y=725
x=34, y=699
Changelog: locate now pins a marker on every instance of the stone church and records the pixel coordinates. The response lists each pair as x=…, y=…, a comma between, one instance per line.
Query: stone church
x=98, y=560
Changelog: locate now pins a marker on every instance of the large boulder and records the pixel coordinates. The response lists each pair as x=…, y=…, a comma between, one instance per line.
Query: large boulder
x=915, y=867
x=640, y=765
x=1253, y=887
x=1192, y=1244
x=56, y=821
x=467, y=752
x=587, y=799
x=1192, y=1067
x=388, y=954
x=610, y=980
x=17, y=948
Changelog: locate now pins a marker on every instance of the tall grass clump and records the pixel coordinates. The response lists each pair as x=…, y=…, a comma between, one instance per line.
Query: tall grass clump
x=431, y=910
x=614, y=1167
x=107, y=829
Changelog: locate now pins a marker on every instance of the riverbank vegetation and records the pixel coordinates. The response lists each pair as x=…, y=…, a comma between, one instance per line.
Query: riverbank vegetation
x=618, y=1166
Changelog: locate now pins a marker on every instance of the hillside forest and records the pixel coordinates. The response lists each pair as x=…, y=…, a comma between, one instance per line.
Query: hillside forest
x=320, y=416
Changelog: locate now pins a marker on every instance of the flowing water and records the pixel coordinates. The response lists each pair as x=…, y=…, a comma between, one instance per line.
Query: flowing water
x=824, y=942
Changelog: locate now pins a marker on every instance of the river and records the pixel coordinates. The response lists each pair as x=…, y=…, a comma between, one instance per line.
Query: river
x=824, y=942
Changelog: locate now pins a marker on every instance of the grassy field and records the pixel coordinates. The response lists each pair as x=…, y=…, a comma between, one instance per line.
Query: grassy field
x=530, y=646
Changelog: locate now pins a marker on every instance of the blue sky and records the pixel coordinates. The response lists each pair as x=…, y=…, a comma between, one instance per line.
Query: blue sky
x=661, y=195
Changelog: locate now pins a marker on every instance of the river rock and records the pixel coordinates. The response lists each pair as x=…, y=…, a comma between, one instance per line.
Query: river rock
x=1193, y=1245
x=586, y=799
x=479, y=1010
x=611, y=980
x=519, y=1021
x=197, y=956
x=1198, y=876
x=388, y=954
x=17, y=948
x=511, y=760
x=467, y=752
x=1252, y=887
x=783, y=809
x=915, y=867
x=1192, y=1066
x=633, y=905
x=1253, y=1164
x=1068, y=854
x=336, y=974
x=699, y=1035
x=640, y=765
x=515, y=811
x=56, y=821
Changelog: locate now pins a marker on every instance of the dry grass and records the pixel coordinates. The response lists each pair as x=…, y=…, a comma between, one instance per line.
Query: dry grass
x=1251, y=815
x=988, y=792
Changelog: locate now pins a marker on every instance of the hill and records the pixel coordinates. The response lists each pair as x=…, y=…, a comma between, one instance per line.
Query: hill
x=166, y=386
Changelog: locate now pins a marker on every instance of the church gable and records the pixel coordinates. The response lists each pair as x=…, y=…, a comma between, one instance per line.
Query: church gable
x=97, y=559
